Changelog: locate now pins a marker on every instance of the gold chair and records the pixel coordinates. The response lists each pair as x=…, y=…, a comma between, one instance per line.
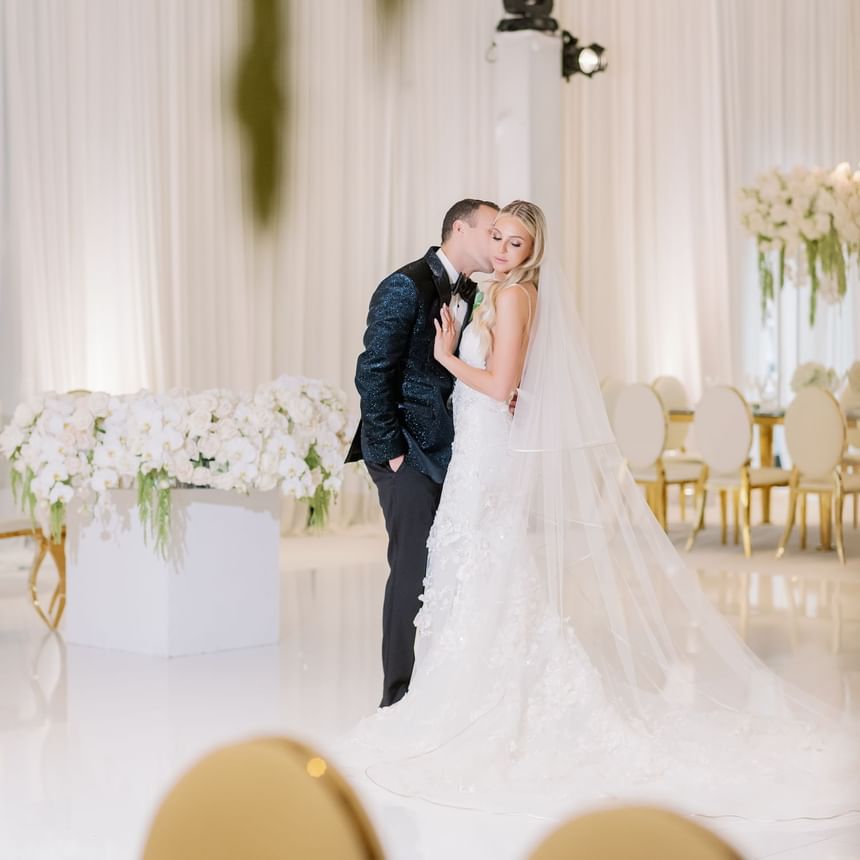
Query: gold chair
x=816, y=435
x=633, y=833
x=44, y=546
x=610, y=388
x=641, y=429
x=674, y=396
x=850, y=400
x=724, y=432
x=265, y=799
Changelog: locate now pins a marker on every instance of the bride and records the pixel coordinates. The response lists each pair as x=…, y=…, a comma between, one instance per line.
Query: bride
x=564, y=653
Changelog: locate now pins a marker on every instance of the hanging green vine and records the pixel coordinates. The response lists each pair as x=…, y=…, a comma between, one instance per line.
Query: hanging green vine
x=260, y=102
x=261, y=96
x=389, y=10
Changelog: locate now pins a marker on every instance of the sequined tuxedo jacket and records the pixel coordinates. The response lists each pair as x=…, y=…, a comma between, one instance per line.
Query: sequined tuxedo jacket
x=405, y=393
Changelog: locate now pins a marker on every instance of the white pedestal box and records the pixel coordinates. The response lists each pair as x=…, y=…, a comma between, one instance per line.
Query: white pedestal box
x=218, y=589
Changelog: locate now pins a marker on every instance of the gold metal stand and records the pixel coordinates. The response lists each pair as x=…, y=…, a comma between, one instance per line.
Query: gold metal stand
x=44, y=546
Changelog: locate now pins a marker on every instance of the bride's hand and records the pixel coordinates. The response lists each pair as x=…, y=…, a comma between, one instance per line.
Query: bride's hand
x=446, y=336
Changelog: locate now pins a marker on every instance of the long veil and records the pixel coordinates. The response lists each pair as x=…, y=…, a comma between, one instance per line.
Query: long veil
x=687, y=713
x=612, y=573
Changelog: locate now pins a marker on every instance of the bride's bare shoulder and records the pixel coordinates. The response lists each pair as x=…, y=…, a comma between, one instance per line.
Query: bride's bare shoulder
x=517, y=295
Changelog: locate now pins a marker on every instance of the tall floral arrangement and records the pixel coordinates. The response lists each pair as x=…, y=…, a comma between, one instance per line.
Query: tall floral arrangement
x=807, y=228
x=291, y=433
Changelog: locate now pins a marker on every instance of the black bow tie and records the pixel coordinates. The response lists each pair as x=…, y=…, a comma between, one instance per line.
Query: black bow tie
x=465, y=288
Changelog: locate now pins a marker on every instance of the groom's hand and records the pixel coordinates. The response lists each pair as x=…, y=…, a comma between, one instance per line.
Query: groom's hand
x=396, y=463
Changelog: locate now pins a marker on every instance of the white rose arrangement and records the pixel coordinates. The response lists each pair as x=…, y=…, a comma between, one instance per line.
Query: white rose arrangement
x=807, y=226
x=852, y=377
x=291, y=433
x=814, y=374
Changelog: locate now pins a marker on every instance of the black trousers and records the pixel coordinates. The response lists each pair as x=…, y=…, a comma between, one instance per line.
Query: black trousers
x=409, y=500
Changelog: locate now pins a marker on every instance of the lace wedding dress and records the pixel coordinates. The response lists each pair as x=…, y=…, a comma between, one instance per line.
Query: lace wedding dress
x=564, y=654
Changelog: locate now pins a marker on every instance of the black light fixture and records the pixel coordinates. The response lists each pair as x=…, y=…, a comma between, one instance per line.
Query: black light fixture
x=588, y=60
x=530, y=15
x=537, y=15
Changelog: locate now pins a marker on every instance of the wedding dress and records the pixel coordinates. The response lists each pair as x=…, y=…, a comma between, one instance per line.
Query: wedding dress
x=564, y=653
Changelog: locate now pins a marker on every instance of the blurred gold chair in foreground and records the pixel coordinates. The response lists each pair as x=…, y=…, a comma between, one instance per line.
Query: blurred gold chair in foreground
x=266, y=799
x=633, y=833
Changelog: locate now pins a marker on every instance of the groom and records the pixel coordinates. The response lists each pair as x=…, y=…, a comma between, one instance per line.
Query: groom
x=406, y=425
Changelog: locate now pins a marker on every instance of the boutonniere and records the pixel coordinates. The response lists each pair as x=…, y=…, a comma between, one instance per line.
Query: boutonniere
x=479, y=297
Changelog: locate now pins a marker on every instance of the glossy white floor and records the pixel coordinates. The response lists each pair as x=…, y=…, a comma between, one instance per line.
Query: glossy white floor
x=90, y=739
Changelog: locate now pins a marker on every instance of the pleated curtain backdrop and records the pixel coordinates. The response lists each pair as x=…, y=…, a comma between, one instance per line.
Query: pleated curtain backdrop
x=129, y=260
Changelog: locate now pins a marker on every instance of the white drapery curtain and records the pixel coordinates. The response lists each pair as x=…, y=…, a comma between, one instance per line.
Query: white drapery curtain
x=128, y=258
x=702, y=95
x=794, y=105
x=130, y=253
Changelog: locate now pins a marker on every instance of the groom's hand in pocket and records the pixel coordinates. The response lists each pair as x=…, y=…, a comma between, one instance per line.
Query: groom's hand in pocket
x=396, y=463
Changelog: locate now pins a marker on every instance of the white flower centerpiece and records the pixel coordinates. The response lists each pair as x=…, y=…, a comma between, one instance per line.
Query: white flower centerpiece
x=807, y=228
x=851, y=394
x=291, y=433
x=852, y=377
x=814, y=374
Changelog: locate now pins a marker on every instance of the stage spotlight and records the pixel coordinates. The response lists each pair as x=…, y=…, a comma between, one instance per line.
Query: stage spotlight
x=537, y=15
x=587, y=60
x=530, y=15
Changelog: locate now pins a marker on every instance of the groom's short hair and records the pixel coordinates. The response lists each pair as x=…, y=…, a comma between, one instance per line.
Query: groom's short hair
x=463, y=210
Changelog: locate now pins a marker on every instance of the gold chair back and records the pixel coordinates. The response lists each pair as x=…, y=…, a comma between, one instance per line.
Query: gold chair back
x=265, y=799
x=633, y=833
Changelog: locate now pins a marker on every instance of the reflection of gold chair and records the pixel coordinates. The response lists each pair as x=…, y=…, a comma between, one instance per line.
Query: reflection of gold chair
x=845, y=597
x=633, y=833
x=641, y=428
x=816, y=435
x=262, y=800
x=44, y=546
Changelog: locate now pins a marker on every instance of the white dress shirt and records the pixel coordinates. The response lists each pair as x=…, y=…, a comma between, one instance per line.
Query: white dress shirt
x=457, y=304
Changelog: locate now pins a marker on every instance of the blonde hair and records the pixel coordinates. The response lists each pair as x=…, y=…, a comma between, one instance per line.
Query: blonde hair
x=532, y=218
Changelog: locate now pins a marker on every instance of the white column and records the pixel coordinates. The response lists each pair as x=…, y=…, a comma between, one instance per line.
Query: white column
x=527, y=118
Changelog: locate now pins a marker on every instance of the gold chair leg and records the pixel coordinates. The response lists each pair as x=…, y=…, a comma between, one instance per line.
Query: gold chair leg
x=699, y=522
x=824, y=513
x=837, y=511
x=803, y=520
x=789, y=522
x=855, y=508
x=682, y=500
x=58, y=600
x=32, y=581
x=746, y=504
x=736, y=515
x=723, y=523
x=664, y=506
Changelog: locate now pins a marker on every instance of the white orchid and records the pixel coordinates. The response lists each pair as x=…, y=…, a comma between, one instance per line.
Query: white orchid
x=807, y=227
x=292, y=433
x=852, y=376
x=812, y=373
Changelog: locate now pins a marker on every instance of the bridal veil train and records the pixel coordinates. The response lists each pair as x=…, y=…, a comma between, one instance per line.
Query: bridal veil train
x=565, y=653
